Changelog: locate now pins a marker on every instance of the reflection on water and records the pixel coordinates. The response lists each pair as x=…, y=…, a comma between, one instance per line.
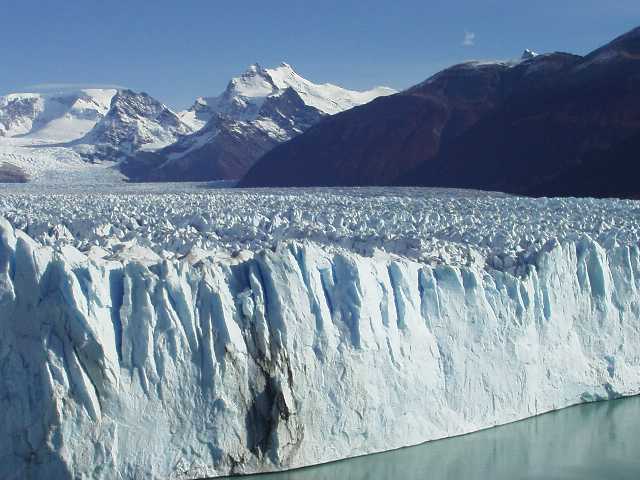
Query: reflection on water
x=599, y=441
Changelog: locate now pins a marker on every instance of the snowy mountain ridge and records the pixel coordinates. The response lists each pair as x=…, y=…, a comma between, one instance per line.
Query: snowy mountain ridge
x=35, y=131
x=449, y=131
x=246, y=93
x=134, y=121
x=57, y=117
x=259, y=109
x=44, y=134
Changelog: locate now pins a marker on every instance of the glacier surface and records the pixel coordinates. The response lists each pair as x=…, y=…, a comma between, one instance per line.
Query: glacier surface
x=188, y=335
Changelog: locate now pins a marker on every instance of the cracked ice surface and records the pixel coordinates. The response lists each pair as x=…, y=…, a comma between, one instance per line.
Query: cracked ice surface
x=191, y=334
x=433, y=226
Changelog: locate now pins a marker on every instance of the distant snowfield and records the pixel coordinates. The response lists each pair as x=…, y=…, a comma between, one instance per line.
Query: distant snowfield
x=179, y=332
x=54, y=165
x=34, y=127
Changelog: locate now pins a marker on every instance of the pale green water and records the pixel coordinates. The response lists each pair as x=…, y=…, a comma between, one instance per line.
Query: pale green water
x=599, y=441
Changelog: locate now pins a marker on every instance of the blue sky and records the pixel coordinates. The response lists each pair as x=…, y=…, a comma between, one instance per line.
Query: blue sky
x=176, y=51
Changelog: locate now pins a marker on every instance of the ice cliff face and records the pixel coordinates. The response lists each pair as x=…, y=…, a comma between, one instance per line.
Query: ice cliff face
x=275, y=358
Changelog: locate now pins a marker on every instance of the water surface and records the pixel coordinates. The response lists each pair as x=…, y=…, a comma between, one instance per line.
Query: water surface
x=598, y=441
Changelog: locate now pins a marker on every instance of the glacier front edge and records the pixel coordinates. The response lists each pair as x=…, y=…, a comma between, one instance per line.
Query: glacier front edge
x=293, y=357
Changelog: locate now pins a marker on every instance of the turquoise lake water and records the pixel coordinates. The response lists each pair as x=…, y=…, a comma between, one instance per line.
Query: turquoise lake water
x=598, y=441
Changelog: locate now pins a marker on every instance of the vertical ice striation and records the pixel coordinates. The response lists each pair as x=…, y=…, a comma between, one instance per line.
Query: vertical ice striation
x=293, y=356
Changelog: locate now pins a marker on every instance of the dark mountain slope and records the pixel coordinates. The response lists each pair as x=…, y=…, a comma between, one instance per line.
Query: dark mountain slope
x=541, y=134
x=520, y=128
x=377, y=142
x=612, y=172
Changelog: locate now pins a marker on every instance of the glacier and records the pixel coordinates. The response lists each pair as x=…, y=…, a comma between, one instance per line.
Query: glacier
x=139, y=363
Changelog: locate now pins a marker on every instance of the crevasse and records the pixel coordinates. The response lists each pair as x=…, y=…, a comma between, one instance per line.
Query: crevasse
x=294, y=356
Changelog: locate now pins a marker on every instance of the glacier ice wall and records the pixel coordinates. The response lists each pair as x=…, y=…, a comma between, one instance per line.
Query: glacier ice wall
x=295, y=355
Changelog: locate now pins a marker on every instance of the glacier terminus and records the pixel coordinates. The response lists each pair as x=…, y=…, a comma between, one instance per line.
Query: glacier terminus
x=194, y=334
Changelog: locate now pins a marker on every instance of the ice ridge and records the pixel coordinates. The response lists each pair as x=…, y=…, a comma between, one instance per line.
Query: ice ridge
x=294, y=355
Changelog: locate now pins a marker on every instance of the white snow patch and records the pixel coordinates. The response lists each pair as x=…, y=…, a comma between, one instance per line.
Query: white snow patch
x=326, y=97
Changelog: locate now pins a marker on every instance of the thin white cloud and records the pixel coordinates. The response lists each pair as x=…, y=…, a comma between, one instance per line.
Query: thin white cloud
x=69, y=86
x=469, y=39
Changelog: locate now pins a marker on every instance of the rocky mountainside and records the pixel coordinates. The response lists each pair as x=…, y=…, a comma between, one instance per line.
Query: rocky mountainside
x=246, y=93
x=536, y=126
x=259, y=110
x=134, y=121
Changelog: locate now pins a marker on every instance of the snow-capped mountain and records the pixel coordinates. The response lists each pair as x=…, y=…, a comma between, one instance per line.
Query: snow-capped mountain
x=46, y=135
x=245, y=95
x=57, y=117
x=549, y=124
x=49, y=135
x=258, y=110
x=134, y=121
x=35, y=131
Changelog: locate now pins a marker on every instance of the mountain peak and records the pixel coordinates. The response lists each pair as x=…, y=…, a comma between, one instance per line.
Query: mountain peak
x=633, y=33
x=284, y=67
x=620, y=49
x=135, y=120
x=254, y=68
x=528, y=54
x=245, y=95
x=629, y=43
